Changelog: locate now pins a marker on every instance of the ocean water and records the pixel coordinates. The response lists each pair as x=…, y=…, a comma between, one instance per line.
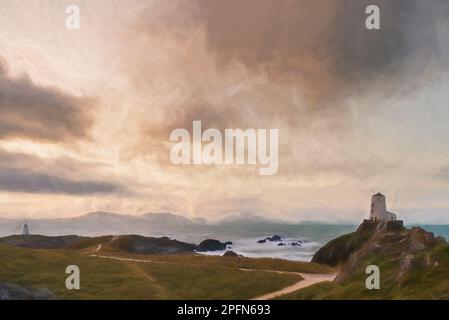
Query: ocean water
x=245, y=240
x=312, y=236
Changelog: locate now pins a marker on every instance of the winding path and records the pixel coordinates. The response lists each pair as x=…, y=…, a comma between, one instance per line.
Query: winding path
x=308, y=279
x=130, y=259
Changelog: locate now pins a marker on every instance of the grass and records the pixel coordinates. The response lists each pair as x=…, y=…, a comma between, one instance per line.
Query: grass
x=167, y=277
x=342, y=247
x=232, y=262
x=426, y=283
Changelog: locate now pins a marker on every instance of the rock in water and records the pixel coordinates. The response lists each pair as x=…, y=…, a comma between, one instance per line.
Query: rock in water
x=274, y=238
x=212, y=245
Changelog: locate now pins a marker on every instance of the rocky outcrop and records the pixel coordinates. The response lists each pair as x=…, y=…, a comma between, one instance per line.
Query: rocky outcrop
x=13, y=292
x=148, y=245
x=274, y=238
x=380, y=241
x=230, y=254
x=42, y=242
x=212, y=245
x=282, y=242
x=129, y=243
x=338, y=251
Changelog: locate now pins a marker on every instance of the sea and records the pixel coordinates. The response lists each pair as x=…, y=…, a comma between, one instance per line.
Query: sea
x=310, y=237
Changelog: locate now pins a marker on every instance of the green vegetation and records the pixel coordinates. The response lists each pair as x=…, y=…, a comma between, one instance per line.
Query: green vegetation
x=338, y=250
x=425, y=278
x=163, y=277
x=89, y=242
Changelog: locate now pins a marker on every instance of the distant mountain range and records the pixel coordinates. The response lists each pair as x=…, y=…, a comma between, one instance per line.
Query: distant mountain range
x=148, y=224
x=248, y=217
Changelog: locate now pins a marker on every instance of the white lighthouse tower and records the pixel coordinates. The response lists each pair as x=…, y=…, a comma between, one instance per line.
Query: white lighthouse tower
x=378, y=210
x=25, y=230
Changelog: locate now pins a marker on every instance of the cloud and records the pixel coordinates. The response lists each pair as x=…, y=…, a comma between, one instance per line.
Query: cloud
x=32, y=182
x=443, y=173
x=291, y=64
x=411, y=37
x=29, y=174
x=30, y=111
x=349, y=102
x=284, y=36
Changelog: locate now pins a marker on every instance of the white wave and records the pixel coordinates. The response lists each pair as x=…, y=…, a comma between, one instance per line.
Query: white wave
x=250, y=248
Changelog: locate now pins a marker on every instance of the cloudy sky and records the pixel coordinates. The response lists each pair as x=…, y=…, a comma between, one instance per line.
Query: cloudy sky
x=86, y=115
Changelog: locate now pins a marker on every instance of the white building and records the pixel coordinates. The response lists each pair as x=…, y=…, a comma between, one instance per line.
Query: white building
x=378, y=210
x=26, y=229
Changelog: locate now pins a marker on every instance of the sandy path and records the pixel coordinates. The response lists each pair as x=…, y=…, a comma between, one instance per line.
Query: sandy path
x=100, y=246
x=130, y=259
x=309, y=279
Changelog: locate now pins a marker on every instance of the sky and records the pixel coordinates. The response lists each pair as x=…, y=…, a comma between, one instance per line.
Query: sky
x=86, y=115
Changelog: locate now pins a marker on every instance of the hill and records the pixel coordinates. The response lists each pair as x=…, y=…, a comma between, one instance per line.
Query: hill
x=413, y=263
x=146, y=245
x=128, y=243
x=45, y=242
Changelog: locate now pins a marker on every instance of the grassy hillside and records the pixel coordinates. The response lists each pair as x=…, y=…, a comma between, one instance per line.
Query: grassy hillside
x=413, y=265
x=168, y=277
x=128, y=243
x=338, y=250
x=421, y=283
